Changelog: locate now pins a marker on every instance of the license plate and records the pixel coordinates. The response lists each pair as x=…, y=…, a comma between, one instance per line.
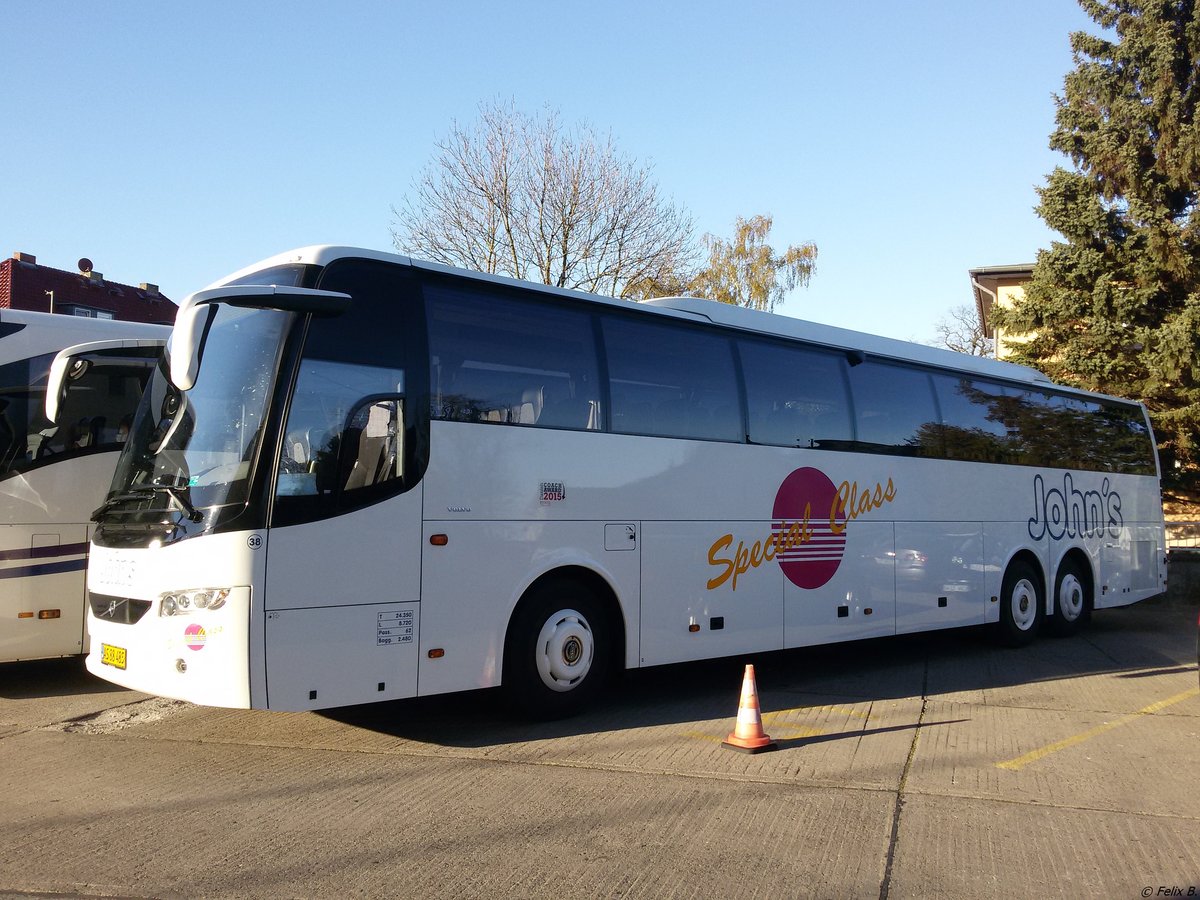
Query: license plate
x=112, y=656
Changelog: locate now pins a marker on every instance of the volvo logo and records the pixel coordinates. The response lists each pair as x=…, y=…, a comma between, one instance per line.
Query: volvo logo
x=112, y=609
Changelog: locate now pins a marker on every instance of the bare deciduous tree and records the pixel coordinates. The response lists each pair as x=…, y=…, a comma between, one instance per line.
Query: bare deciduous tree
x=521, y=195
x=960, y=330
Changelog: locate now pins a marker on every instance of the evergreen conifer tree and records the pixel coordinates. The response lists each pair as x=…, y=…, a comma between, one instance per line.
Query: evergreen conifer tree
x=1115, y=305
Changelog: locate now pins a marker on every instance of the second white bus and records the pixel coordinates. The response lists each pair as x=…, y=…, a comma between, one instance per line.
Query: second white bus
x=360, y=477
x=55, y=471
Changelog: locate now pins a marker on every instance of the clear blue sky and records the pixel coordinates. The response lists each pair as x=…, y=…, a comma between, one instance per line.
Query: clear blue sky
x=174, y=143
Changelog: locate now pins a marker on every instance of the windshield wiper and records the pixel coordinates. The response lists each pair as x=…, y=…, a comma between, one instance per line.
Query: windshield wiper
x=180, y=501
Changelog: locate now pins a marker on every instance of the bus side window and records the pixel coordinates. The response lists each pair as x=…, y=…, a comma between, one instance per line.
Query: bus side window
x=972, y=424
x=1127, y=441
x=672, y=381
x=336, y=407
x=796, y=396
x=24, y=427
x=895, y=410
x=506, y=359
x=1035, y=423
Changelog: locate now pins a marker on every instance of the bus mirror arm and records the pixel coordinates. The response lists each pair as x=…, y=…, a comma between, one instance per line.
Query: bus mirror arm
x=192, y=322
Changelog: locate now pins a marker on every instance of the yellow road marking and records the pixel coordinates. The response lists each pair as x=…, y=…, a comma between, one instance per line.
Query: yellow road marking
x=797, y=730
x=701, y=736
x=842, y=710
x=1035, y=755
x=770, y=721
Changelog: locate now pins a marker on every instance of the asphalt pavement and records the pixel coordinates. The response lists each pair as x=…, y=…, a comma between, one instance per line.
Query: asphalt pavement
x=936, y=765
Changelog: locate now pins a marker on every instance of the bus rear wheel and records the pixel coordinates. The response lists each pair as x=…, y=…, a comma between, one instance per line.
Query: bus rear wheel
x=557, y=652
x=1072, y=599
x=1021, y=605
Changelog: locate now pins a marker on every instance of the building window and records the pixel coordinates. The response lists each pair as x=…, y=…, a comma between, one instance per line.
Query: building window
x=88, y=312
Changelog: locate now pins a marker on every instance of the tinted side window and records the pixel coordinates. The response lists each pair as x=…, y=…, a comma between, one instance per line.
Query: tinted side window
x=1034, y=427
x=498, y=357
x=895, y=411
x=1130, y=447
x=26, y=436
x=1082, y=442
x=796, y=396
x=671, y=381
x=972, y=419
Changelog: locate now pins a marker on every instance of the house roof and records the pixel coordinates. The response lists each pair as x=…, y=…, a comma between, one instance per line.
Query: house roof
x=24, y=284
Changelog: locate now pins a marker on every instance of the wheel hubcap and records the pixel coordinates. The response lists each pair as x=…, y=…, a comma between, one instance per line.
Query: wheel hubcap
x=565, y=647
x=1070, y=598
x=1024, y=604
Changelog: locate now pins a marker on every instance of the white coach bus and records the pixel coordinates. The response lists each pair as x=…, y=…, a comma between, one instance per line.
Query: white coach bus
x=361, y=477
x=55, y=471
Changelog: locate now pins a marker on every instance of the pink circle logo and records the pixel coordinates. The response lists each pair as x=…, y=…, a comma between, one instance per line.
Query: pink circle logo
x=809, y=528
x=195, y=637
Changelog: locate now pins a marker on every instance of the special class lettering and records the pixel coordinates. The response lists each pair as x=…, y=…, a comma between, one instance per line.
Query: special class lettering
x=850, y=502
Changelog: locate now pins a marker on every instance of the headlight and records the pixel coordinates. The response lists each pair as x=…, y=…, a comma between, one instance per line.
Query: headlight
x=183, y=603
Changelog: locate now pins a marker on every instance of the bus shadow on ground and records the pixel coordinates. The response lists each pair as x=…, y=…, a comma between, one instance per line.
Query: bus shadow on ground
x=38, y=678
x=1156, y=637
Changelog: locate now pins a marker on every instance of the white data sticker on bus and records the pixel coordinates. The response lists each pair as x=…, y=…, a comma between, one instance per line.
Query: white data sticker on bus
x=395, y=628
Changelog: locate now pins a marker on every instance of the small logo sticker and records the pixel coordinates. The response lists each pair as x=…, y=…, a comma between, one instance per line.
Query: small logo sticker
x=195, y=637
x=553, y=491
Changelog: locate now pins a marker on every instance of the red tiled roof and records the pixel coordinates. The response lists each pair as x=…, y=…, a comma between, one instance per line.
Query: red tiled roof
x=23, y=285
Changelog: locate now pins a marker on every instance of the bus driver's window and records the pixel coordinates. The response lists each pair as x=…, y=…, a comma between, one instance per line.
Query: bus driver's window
x=341, y=413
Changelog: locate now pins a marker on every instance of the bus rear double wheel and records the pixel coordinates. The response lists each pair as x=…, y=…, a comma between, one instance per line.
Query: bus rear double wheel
x=1072, y=599
x=558, y=650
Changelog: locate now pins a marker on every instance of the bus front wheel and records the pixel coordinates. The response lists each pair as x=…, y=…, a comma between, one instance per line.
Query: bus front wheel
x=1021, y=605
x=557, y=652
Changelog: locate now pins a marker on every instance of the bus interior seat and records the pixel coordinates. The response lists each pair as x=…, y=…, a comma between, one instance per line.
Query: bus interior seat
x=375, y=443
x=297, y=447
x=532, y=404
x=96, y=431
x=569, y=412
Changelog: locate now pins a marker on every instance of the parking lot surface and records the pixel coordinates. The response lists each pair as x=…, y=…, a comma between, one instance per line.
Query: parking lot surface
x=937, y=765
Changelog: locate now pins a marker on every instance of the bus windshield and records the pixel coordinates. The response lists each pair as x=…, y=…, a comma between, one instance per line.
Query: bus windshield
x=204, y=441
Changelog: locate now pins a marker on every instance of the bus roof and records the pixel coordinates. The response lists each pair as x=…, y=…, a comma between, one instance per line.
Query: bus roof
x=697, y=308
x=35, y=333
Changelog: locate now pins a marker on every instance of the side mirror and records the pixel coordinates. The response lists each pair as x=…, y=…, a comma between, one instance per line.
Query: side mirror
x=186, y=343
x=73, y=362
x=186, y=346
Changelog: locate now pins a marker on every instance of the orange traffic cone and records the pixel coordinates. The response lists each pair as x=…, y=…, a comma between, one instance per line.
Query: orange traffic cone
x=748, y=735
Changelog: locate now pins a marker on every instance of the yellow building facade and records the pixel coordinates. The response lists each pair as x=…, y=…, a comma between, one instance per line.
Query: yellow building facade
x=999, y=286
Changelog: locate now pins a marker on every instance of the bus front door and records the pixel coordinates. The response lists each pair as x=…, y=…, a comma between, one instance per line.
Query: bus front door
x=340, y=606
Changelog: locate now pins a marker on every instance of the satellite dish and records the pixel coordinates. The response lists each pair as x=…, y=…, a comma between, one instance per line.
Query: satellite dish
x=85, y=266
